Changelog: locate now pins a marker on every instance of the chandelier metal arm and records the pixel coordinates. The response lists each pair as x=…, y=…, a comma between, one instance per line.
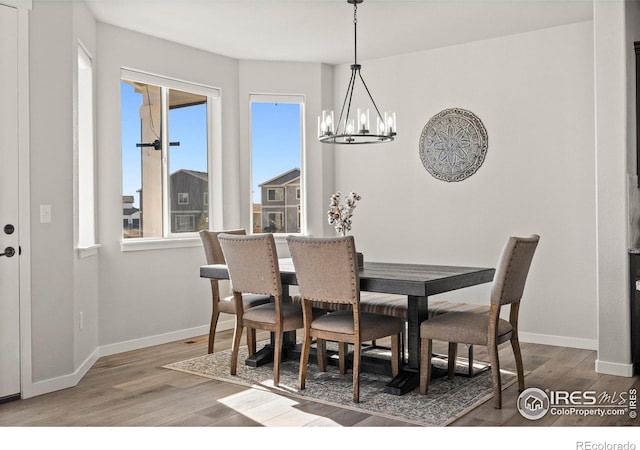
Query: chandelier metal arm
x=369, y=93
x=348, y=97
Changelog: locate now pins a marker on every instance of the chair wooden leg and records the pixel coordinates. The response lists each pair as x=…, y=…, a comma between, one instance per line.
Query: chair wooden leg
x=321, y=349
x=251, y=341
x=342, y=357
x=425, y=364
x=495, y=375
x=396, y=353
x=277, y=357
x=237, y=336
x=515, y=345
x=304, y=360
x=451, y=364
x=356, y=372
x=470, y=359
x=212, y=330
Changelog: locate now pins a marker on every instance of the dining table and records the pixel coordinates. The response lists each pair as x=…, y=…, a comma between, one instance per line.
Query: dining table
x=417, y=281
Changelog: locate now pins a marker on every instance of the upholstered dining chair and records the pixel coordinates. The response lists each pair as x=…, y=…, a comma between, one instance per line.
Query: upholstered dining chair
x=214, y=255
x=482, y=329
x=327, y=271
x=439, y=307
x=252, y=262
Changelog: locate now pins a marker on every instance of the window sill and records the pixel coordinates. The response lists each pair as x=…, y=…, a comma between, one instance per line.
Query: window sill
x=88, y=251
x=136, y=245
x=281, y=238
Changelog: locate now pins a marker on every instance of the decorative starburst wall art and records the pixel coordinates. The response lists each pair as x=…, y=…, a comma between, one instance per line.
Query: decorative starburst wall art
x=453, y=144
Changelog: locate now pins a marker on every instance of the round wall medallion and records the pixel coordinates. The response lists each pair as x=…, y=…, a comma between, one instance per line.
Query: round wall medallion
x=453, y=144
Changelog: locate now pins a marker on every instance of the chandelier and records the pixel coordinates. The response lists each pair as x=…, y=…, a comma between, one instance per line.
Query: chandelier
x=358, y=131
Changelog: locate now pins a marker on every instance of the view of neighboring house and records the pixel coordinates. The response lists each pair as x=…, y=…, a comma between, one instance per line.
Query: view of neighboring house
x=130, y=217
x=279, y=211
x=189, y=205
x=257, y=217
x=189, y=201
x=281, y=203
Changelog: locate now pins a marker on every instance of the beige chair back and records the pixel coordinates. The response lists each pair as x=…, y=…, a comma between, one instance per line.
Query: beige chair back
x=252, y=262
x=212, y=250
x=513, y=268
x=326, y=268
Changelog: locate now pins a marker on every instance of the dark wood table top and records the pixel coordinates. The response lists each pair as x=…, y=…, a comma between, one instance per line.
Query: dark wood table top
x=419, y=280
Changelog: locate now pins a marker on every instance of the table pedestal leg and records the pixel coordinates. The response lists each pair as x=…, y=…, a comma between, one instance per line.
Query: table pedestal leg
x=265, y=354
x=409, y=377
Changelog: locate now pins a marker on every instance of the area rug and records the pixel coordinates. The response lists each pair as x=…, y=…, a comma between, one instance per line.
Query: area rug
x=445, y=402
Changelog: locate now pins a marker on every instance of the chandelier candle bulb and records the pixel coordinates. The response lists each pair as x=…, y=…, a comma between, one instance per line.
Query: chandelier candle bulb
x=363, y=120
x=390, y=123
x=349, y=127
x=326, y=124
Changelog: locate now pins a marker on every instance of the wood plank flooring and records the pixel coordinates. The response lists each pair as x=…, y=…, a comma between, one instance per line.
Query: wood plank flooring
x=133, y=390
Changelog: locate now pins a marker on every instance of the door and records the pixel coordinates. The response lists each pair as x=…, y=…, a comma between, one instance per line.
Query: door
x=9, y=244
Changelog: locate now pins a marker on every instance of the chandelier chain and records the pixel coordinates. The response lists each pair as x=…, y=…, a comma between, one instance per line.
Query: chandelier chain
x=355, y=33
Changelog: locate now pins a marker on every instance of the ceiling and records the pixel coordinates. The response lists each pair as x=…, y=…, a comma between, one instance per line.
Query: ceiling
x=322, y=30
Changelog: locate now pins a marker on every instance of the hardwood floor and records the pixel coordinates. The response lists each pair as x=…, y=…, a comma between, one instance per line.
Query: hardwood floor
x=133, y=390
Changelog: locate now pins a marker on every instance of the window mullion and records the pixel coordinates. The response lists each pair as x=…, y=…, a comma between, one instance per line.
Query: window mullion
x=164, y=135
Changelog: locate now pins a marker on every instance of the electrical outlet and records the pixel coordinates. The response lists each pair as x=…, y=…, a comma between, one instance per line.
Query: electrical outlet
x=81, y=320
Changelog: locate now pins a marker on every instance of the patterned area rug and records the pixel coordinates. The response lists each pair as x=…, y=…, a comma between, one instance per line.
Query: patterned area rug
x=445, y=402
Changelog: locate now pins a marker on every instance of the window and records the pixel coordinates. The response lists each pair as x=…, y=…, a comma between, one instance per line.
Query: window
x=166, y=147
x=274, y=223
x=275, y=195
x=85, y=153
x=184, y=223
x=277, y=202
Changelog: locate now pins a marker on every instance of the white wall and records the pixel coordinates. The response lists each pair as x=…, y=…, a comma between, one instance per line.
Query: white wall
x=62, y=285
x=51, y=65
x=534, y=94
x=612, y=48
x=85, y=279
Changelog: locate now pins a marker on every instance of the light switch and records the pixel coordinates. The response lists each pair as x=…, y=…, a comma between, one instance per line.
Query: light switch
x=45, y=213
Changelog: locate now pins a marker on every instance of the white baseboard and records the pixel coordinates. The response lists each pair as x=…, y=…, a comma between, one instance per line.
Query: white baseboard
x=63, y=382
x=617, y=369
x=67, y=381
x=135, y=344
x=559, y=341
x=71, y=380
x=604, y=367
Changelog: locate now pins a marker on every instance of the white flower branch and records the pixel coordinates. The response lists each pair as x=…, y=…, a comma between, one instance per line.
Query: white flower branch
x=340, y=215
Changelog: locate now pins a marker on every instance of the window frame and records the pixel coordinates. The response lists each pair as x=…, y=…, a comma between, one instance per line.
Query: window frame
x=214, y=158
x=85, y=177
